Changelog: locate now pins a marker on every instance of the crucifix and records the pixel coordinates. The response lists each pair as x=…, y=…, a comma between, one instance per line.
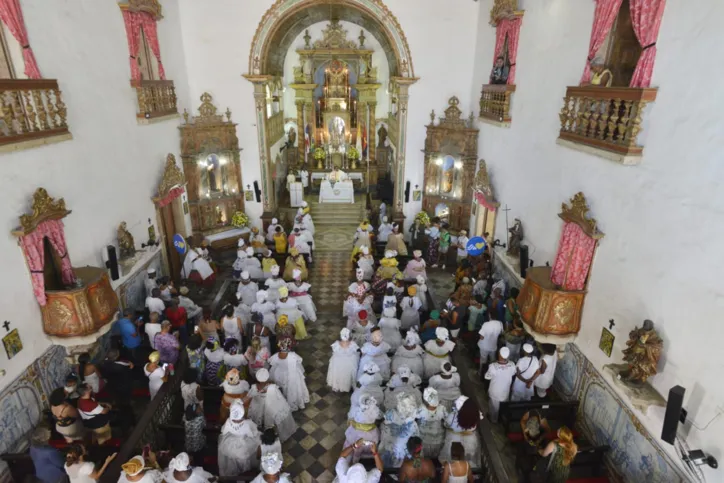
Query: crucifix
x=611, y=323
x=507, y=233
x=6, y=324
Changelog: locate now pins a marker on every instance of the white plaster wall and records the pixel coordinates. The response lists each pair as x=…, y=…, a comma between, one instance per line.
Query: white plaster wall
x=661, y=257
x=379, y=60
x=110, y=169
x=441, y=35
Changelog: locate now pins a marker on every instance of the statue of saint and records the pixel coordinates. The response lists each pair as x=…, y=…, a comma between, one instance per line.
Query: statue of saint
x=291, y=137
x=642, y=353
x=516, y=236
x=125, y=241
x=382, y=136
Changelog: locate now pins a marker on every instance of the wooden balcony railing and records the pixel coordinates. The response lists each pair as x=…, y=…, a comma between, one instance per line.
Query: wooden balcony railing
x=607, y=118
x=155, y=98
x=31, y=109
x=495, y=102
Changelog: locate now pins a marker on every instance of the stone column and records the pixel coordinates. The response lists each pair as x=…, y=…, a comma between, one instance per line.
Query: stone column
x=403, y=85
x=267, y=183
x=300, y=131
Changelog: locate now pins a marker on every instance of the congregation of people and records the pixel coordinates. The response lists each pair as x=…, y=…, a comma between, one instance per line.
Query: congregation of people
x=395, y=358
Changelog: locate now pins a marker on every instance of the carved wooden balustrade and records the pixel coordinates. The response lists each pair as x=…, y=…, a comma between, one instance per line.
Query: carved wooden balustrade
x=156, y=98
x=275, y=128
x=495, y=102
x=31, y=109
x=607, y=118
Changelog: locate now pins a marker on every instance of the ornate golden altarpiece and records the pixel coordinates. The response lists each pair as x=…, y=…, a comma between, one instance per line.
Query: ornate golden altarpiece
x=451, y=151
x=78, y=310
x=211, y=163
x=549, y=313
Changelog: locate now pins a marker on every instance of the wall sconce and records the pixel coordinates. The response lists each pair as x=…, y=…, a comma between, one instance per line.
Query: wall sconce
x=458, y=165
x=208, y=194
x=438, y=161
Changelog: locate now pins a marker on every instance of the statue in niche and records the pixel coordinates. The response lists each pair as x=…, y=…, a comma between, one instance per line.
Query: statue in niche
x=516, y=236
x=382, y=136
x=642, y=353
x=291, y=137
x=126, y=244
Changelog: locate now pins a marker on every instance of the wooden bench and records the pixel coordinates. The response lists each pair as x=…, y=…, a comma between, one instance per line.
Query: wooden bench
x=589, y=461
x=558, y=411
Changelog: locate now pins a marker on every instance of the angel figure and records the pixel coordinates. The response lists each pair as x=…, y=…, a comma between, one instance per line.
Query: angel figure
x=516, y=236
x=125, y=241
x=642, y=353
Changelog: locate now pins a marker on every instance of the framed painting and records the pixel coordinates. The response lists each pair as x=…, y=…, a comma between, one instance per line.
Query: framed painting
x=416, y=195
x=12, y=343
x=606, y=342
x=248, y=195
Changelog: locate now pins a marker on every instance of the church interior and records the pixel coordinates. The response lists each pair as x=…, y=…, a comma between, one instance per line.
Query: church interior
x=225, y=236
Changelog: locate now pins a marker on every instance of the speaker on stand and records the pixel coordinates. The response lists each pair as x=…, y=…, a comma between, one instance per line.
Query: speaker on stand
x=112, y=262
x=407, y=192
x=674, y=414
x=257, y=191
x=523, y=260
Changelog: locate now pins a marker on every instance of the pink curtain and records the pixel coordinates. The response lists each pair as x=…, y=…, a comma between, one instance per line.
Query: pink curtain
x=149, y=28
x=575, y=254
x=170, y=196
x=646, y=16
x=603, y=18
x=12, y=16
x=133, y=35
x=511, y=28
x=33, y=248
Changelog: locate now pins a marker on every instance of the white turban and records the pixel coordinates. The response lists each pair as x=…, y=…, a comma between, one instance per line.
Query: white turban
x=305, y=204
x=389, y=254
x=274, y=221
x=275, y=269
x=261, y=296
x=241, y=242
x=240, y=253
x=420, y=280
x=406, y=405
x=389, y=312
x=150, y=271
x=450, y=371
x=459, y=402
x=412, y=338
x=365, y=249
x=180, y=462
x=245, y=275
x=250, y=251
x=344, y=334
x=366, y=401
x=441, y=333
x=404, y=371
x=527, y=348
x=237, y=411
x=262, y=375
x=430, y=396
x=356, y=474
x=370, y=368
x=271, y=463
x=296, y=274
x=504, y=352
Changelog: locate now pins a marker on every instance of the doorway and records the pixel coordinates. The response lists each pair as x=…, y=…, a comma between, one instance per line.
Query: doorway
x=171, y=219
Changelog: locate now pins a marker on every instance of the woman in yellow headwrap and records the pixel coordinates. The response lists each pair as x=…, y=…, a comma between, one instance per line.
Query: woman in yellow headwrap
x=284, y=330
x=138, y=469
x=289, y=307
x=295, y=260
x=155, y=373
x=362, y=238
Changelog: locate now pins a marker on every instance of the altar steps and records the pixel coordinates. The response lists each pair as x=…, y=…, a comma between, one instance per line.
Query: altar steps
x=337, y=213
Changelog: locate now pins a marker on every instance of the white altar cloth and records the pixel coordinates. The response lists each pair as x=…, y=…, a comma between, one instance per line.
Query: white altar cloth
x=341, y=192
x=320, y=175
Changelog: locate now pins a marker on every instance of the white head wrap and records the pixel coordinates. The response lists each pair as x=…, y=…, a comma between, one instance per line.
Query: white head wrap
x=459, y=402
x=344, y=334
x=245, y=275
x=417, y=253
x=275, y=269
x=389, y=253
x=430, y=396
x=404, y=371
x=240, y=243
x=365, y=249
x=237, y=411
x=504, y=352
x=441, y=333
x=366, y=401
x=262, y=375
x=371, y=368
x=261, y=296
x=356, y=474
x=305, y=204
x=420, y=280
x=180, y=463
x=389, y=312
x=412, y=338
x=406, y=406
x=271, y=463
x=360, y=274
x=150, y=271
x=274, y=221
x=249, y=251
x=296, y=274
x=527, y=348
x=452, y=370
x=384, y=219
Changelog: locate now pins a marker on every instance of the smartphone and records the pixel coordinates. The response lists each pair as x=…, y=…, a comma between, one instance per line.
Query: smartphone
x=164, y=366
x=196, y=329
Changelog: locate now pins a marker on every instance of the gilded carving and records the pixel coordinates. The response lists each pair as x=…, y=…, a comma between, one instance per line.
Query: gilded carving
x=503, y=9
x=173, y=176
x=334, y=36
x=563, y=313
x=152, y=7
x=577, y=213
x=483, y=185
x=125, y=241
x=59, y=312
x=44, y=208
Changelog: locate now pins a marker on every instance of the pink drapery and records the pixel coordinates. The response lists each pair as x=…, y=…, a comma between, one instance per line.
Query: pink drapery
x=34, y=250
x=575, y=254
x=509, y=27
x=134, y=22
x=603, y=18
x=646, y=17
x=480, y=199
x=12, y=16
x=170, y=196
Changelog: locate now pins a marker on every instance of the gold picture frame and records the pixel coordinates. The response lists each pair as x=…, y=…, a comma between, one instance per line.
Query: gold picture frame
x=417, y=195
x=248, y=195
x=12, y=343
x=606, y=342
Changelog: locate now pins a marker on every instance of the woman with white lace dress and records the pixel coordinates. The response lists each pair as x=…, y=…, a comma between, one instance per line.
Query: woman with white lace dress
x=447, y=384
x=288, y=373
x=269, y=408
x=299, y=291
x=376, y=351
x=238, y=443
x=370, y=384
x=430, y=420
x=265, y=308
x=461, y=426
x=361, y=328
x=271, y=467
x=399, y=426
x=437, y=351
x=363, y=425
x=402, y=382
x=410, y=354
x=343, y=365
x=366, y=263
x=390, y=326
x=273, y=283
x=421, y=287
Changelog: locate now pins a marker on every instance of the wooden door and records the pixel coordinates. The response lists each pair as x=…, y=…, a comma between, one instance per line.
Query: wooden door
x=625, y=49
x=169, y=230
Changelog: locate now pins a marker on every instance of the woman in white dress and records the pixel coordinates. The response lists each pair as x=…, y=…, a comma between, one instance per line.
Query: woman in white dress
x=447, y=384
x=343, y=365
x=398, y=427
x=288, y=373
x=271, y=467
x=402, y=382
x=234, y=390
x=269, y=408
x=390, y=326
x=363, y=425
x=370, y=384
x=415, y=267
x=272, y=284
x=361, y=328
x=180, y=471
x=260, y=330
x=155, y=373
x=376, y=351
x=421, y=287
x=238, y=443
x=289, y=307
x=437, y=351
x=265, y=308
x=362, y=238
x=299, y=291
x=233, y=326
x=252, y=265
x=462, y=424
x=410, y=354
x=233, y=359
x=411, y=306
x=384, y=230
x=366, y=263
x=430, y=420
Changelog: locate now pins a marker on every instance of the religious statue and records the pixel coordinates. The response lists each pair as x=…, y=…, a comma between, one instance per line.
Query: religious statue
x=382, y=136
x=125, y=242
x=642, y=353
x=291, y=137
x=516, y=236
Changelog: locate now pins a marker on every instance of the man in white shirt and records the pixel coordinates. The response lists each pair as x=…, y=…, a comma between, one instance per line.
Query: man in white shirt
x=154, y=302
x=184, y=301
x=488, y=341
x=548, y=363
x=526, y=374
x=462, y=243
x=152, y=328
x=304, y=175
x=500, y=374
x=150, y=282
x=357, y=472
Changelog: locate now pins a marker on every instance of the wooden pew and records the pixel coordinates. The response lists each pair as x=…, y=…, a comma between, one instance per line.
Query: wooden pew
x=589, y=461
x=556, y=411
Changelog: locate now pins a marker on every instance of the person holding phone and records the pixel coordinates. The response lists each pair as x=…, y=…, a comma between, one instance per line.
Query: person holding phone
x=357, y=472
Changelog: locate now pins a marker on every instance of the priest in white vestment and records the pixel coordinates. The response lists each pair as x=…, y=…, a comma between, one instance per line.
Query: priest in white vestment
x=337, y=175
x=197, y=269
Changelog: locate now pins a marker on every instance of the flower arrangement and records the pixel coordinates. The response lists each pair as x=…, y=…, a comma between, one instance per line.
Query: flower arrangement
x=240, y=219
x=423, y=218
x=319, y=154
x=353, y=153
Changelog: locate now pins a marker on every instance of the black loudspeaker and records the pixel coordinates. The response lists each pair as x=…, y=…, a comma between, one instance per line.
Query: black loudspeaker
x=407, y=192
x=257, y=191
x=112, y=263
x=523, y=260
x=674, y=414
